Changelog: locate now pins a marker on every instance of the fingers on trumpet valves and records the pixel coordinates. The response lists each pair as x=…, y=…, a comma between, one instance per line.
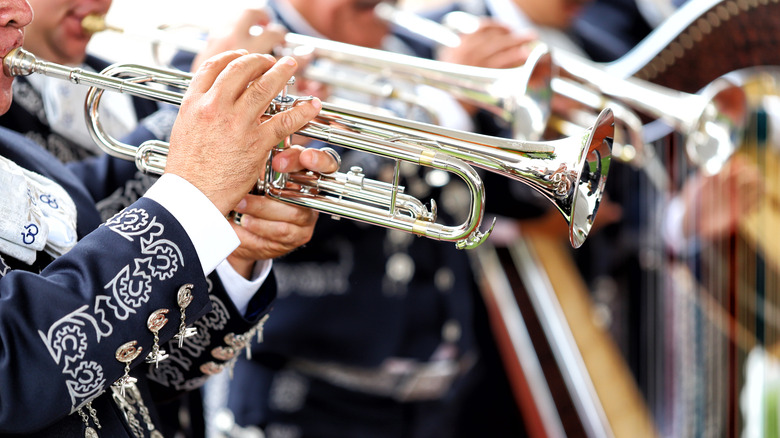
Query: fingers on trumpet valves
x=335, y=155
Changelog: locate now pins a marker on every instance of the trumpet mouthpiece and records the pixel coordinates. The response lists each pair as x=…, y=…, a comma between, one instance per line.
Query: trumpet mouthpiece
x=96, y=23
x=18, y=62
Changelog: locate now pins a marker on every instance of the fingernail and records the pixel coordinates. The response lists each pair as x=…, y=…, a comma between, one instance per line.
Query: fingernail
x=245, y=220
x=241, y=205
x=316, y=103
x=282, y=162
x=269, y=57
x=243, y=51
x=289, y=60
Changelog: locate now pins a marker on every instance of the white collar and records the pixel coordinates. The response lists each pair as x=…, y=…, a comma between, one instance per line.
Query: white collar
x=508, y=13
x=295, y=20
x=35, y=214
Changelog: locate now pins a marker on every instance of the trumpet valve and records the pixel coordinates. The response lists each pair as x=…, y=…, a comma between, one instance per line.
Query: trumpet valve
x=355, y=177
x=283, y=102
x=433, y=214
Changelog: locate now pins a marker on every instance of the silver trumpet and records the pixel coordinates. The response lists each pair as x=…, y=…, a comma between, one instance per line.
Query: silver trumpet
x=520, y=96
x=571, y=173
x=629, y=143
x=708, y=120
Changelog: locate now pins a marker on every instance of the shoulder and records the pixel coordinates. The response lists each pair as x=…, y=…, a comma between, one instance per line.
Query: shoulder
x=31, y=156
x=16, y=147
x=96, y=63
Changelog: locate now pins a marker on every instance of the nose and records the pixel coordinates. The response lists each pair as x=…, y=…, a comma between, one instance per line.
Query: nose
x=15, y=13
x=103, y=5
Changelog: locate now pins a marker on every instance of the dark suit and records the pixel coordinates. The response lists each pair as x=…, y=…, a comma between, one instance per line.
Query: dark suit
x=607, y=29
x=61, y=328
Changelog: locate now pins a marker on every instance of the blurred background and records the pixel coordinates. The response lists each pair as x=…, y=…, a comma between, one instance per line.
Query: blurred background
x=116, y=47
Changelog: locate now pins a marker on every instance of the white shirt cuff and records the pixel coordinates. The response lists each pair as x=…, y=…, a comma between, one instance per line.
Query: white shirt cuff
x=674, y=237
x=239, y=288
x=210, y=233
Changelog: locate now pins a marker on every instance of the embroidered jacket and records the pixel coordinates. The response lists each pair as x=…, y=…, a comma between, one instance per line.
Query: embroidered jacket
x=63, y=328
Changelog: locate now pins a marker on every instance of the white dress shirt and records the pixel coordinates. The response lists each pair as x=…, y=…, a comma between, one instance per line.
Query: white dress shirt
x=211, y=235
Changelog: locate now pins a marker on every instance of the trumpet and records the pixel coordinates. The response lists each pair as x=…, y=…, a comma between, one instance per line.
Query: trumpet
x=520, y=96
x=571, y=173
x=708, y=120
x=628, y=146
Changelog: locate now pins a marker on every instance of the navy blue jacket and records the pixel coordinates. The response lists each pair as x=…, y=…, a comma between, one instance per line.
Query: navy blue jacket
x=61, y=327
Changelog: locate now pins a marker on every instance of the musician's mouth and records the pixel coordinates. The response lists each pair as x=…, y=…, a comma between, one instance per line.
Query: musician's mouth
x=73, y=21
x=13, y=44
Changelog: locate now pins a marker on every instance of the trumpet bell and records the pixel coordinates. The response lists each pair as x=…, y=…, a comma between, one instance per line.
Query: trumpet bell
x=593, y=167
x=715, y=134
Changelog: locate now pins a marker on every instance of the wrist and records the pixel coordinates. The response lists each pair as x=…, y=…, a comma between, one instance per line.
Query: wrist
x=242, y=266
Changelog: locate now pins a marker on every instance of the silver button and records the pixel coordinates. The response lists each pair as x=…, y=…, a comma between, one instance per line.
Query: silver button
x=450, y=332
x=444, y=279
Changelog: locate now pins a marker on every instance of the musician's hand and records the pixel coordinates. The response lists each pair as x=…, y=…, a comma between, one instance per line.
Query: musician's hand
x=492, y=45
x=221, y=137
x=241, y=35
x=715, y=205
x=306, y=87
x=271, y=228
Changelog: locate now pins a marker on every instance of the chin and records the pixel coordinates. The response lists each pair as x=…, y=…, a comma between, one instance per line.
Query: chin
x=6, y=93
x=5, y=103
x=371, y=41
x=73, y=54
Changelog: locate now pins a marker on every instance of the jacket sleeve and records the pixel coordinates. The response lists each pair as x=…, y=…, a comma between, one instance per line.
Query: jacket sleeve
x=222, y=335
x=62, y=328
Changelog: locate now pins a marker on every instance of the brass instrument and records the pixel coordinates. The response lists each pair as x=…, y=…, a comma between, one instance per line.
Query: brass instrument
x=519, y=96
x=571, y=172
x=707, y=119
